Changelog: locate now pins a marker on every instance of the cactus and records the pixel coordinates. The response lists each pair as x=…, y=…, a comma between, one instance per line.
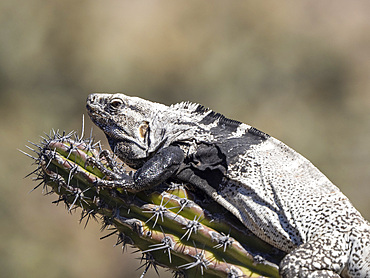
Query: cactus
x=173, y=225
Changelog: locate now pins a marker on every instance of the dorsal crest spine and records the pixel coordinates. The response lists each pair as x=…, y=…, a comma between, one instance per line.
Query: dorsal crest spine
x=202, y=110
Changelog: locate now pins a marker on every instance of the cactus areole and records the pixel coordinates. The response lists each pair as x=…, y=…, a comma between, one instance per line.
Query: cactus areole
x=172, y=225
x=274, y=191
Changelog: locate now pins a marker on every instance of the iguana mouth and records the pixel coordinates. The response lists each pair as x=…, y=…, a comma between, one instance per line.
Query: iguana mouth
x=90, y=111
x=93, y=113
x=101, y=122
x=96, y=114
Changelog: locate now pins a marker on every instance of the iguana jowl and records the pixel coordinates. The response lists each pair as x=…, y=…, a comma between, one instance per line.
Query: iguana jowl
x=274, y=191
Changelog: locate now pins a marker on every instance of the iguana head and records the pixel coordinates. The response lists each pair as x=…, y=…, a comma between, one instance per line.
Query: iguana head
x=126, y=123
x=137, y=128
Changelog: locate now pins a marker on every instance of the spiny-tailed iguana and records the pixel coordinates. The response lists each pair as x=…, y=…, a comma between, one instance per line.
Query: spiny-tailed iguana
x=274, y=191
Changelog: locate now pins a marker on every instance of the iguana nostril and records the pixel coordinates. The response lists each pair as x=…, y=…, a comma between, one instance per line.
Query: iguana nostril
x=91, y=98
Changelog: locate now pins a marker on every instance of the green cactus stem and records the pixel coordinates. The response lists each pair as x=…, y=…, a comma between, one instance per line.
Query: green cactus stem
x=172, y=225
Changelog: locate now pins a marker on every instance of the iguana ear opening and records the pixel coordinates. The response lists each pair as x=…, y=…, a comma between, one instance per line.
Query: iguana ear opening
x=144, y=131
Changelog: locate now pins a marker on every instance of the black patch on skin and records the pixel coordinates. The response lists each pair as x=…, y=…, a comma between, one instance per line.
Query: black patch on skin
x=233, y=148
x=207, y=165
x=208, y=120
x=225, y=127
x=223, y=121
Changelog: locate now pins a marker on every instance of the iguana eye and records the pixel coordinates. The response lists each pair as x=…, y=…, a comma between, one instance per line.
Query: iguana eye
x=115, y=104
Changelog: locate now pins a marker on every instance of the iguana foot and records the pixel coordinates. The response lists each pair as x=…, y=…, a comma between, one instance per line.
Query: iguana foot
x=113, y=174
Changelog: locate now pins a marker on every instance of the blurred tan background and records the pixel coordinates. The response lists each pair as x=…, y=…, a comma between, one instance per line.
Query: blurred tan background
x=298, y=70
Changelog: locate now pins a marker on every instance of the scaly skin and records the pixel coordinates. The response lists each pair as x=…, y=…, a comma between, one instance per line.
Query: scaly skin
x=274, y=191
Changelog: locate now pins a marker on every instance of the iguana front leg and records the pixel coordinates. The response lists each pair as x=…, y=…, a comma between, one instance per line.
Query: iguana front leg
x=156, y=170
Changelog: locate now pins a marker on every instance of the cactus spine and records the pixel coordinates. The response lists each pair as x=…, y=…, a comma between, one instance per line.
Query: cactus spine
x=172, y=225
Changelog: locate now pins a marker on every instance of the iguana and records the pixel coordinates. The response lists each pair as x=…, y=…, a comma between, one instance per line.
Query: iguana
x=274, y=191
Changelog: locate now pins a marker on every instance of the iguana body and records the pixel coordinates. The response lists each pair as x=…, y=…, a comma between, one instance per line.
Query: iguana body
x=274, y=191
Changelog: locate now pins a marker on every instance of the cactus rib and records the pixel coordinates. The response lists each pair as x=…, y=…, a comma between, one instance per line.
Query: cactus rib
x=172, y=225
